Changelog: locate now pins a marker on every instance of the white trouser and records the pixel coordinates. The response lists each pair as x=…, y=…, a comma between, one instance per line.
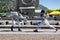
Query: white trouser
x=47, y=23
x=12, y=21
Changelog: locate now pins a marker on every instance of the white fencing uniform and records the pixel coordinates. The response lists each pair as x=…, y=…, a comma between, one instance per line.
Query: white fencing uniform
x=47, y=23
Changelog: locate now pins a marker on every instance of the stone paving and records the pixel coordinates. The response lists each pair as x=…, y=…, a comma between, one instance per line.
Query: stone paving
x=29, y=36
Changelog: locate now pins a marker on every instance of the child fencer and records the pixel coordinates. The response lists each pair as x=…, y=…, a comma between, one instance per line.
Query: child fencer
x=43, y=16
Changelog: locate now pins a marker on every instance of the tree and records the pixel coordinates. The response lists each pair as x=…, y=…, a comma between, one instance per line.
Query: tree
x=7, y=5
x=58, y=10
x=49, y=11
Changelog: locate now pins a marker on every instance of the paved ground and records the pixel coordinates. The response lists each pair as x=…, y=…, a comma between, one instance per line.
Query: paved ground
x=30, y=37
x=29, y=31
x=28, y=34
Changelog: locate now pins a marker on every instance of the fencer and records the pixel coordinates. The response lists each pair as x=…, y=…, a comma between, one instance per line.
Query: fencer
x=18, y=16
x=44, y=21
